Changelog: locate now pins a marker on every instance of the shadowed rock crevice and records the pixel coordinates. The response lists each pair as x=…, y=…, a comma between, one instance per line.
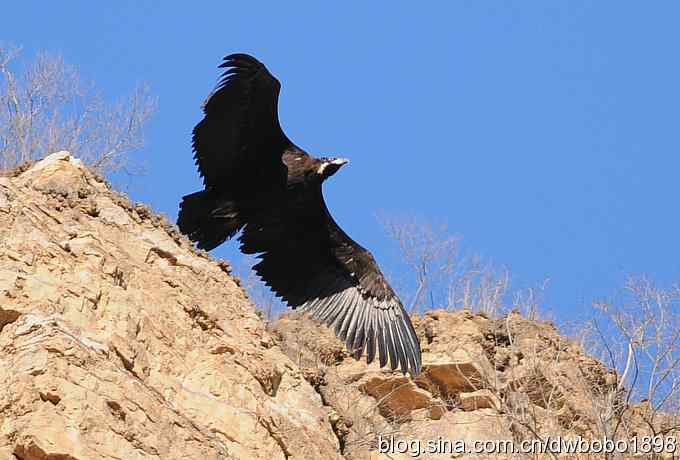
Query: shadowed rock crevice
x=8, y=317
x=34, y=452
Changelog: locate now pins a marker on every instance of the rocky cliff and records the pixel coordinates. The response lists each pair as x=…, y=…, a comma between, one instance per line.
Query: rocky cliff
x=119, y=341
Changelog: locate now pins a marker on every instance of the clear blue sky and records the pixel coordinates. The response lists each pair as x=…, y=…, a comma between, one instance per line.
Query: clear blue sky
x=545, y=133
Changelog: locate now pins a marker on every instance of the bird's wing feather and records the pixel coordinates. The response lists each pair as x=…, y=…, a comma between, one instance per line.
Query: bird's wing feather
x=240, y=141
x=311, y=263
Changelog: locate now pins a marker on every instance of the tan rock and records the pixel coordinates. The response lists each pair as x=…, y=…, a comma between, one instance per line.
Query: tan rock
x=118, y=340
x=453, y=377
x=396, y=396
x=480, y=399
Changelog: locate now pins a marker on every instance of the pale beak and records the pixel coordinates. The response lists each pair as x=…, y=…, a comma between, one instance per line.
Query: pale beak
x=340, y=161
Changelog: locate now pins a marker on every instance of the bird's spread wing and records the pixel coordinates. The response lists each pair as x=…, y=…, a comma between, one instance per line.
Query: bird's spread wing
x=240, y=140
x=311, y=263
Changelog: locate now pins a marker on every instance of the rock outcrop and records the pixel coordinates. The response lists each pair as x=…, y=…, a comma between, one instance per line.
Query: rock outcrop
x=484, y=379
x=118, y=340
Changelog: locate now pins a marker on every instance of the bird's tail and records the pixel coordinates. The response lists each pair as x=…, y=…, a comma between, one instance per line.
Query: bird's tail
x=208, y=220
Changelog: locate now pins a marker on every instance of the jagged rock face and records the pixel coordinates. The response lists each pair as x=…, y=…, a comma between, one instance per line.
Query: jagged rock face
x=118, y=340
x=371, y=401
x=482, y=379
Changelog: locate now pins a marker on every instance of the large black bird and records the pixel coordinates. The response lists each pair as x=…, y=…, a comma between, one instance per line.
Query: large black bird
x=257, y=180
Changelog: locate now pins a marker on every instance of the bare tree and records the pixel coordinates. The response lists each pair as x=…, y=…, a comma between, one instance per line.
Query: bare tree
x=45, y=106
x=442, y=277
x=428, y=252
x=637, y=335
x=531, y=301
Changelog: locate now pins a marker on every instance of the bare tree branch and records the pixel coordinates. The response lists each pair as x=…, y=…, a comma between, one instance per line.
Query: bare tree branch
x=439, y=274
x=45, y=107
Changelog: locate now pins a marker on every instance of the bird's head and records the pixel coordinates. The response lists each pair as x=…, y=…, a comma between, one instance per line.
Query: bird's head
x=330, y=166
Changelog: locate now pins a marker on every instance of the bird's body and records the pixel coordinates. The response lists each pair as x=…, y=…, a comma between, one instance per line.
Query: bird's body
x=258, y=181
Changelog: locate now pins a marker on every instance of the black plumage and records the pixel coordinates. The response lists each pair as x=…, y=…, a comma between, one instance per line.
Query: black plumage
x=256, y=180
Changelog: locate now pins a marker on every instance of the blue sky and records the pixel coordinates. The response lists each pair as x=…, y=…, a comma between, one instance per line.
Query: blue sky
x=544, y=133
